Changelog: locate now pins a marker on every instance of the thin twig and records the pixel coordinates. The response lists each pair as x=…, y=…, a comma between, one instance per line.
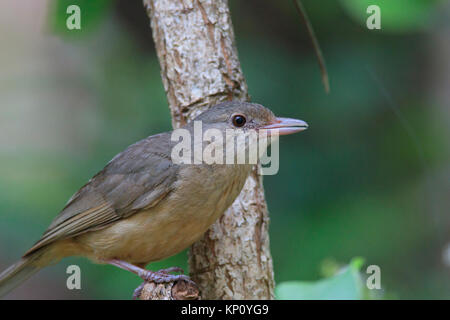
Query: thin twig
x=323, y=69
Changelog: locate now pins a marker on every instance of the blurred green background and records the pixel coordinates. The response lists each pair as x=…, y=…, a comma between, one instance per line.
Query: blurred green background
x=369, y=178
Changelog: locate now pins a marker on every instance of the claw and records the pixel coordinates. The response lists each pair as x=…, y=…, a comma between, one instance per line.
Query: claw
x=137, y=292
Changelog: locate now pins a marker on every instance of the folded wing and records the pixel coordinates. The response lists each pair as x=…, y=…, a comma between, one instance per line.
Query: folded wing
x=136, y=179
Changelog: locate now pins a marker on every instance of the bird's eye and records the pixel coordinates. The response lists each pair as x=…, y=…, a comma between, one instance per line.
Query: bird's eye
x=239, y=120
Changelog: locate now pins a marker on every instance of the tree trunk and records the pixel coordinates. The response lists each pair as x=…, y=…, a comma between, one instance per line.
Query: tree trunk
x=200, y=67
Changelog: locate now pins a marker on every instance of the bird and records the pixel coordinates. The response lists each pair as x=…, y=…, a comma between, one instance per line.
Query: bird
x=144, y=206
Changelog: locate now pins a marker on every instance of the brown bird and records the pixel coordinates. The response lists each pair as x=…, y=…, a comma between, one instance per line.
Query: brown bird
x=143, y=206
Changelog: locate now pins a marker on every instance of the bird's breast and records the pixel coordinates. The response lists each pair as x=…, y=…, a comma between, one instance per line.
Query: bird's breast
x=200, y=195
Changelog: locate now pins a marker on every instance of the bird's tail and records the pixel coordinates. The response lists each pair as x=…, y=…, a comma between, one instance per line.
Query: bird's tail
x=19, y=272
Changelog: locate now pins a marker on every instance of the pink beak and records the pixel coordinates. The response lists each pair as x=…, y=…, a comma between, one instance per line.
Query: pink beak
x=286, y=126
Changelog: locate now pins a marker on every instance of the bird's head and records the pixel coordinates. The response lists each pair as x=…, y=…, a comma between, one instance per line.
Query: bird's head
x=233, y=133
x=245, y=116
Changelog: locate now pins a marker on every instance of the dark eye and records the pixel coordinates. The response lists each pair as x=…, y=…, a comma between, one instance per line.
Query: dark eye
x=239, y=120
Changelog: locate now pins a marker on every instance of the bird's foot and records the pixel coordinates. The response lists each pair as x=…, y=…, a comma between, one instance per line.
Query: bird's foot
x=163, y=276
x=160, y=276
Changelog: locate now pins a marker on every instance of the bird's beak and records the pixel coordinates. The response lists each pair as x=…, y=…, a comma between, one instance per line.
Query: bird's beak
x=286, y=126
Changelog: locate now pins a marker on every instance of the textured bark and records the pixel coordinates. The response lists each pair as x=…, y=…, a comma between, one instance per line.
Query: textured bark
x=200, y=67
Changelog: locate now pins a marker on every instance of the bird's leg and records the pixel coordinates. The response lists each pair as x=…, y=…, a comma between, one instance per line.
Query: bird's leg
x=172, y=269
x=161, y=276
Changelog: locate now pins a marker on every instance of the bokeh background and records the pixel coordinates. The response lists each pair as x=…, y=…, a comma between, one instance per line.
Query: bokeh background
x=370, y=178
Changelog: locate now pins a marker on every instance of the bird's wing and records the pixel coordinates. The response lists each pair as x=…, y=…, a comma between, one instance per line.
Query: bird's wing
x=135, y=179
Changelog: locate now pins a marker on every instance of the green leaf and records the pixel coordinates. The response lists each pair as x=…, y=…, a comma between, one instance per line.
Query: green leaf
x=91, y=13
x=345, y=285
x=396, y=15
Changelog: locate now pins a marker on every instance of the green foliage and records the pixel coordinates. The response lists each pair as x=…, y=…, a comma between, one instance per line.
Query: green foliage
x=92, y=13
x=396, y=15
x=346, y=284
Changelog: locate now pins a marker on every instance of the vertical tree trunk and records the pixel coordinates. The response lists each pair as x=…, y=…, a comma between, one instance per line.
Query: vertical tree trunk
x=199, y=67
